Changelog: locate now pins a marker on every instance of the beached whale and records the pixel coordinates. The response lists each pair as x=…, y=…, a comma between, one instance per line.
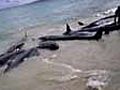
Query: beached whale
x=30, y=53
x=106, y=29
x=13, y=53
x=101, y=22
x=74, y=36
x=106, y=24
x=91, y=33
x=16, y=46
x=69, y=31
x=19, y=59
x=4, y=58
x=48, y=45
x=16, y=57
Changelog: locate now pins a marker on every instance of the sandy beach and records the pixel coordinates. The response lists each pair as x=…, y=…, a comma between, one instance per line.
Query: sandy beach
x=70, y=67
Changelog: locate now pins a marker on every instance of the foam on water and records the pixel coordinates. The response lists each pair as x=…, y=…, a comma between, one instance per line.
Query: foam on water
x=94, y=78
x=10, y=3
x=105, y=13
x=32, y=15
x=42, y=13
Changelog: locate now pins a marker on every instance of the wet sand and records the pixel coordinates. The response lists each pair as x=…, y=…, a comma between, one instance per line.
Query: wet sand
x=68, y=67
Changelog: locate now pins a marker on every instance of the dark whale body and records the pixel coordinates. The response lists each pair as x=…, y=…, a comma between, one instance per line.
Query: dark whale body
x=74, y=36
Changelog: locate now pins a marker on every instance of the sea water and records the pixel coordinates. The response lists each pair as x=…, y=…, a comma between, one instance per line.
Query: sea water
x=50, y=11
x=47, y=12
x=70, y=62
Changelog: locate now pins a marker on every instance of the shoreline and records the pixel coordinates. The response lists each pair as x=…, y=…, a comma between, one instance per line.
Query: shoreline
x=82, y=55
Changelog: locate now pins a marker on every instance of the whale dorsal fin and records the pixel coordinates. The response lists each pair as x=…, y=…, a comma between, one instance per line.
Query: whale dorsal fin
x=68, y=30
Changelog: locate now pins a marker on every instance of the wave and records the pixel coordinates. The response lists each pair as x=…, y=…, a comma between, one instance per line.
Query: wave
x=107, y=12
x=12, y=3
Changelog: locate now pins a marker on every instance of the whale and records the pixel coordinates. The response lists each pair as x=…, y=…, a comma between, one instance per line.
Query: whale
x=74, y=36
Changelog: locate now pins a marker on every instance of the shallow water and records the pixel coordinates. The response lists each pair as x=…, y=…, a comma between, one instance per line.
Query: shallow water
x=50, y=12
x=69, y=68
x=75, y=61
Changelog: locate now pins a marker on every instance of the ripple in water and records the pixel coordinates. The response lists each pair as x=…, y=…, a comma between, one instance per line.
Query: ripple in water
x=94, y=78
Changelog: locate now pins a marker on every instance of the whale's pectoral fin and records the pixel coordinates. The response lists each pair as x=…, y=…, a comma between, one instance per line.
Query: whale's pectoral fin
x=68, y=30
x=98, y=34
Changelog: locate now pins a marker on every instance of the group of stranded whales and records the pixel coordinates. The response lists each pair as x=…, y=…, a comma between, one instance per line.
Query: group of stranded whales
x=93, y=31
x=16, y=54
